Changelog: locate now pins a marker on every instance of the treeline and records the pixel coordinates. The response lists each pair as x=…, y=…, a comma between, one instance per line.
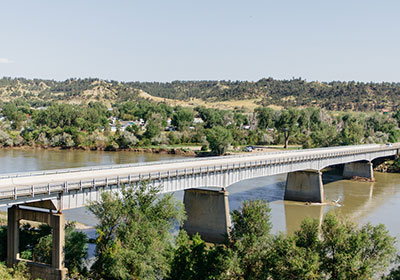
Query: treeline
x=136, y=239
x=142, y=123
x=334, y=95
x=296, y=92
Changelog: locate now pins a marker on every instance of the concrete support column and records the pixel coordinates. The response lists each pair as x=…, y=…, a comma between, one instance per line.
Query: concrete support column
x=58, y=224
x=207, y=214
x=304, y=186
x=358, y=169
x=55, y=271
x=12, y=236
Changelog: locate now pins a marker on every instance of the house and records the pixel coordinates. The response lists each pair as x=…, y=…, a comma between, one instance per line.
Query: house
x=198, y=120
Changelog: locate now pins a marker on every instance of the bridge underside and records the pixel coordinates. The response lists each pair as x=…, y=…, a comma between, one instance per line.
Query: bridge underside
x=307, y=186
x=208, y=210
x=43, y=214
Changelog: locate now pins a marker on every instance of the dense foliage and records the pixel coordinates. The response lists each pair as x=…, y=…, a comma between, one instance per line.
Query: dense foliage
x=133, y=124
x=36, y=242
x=335, y=250
x=18, y=272
x=134, y=233
x=136, y=240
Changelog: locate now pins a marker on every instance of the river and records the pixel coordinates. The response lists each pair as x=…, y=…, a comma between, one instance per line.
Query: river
x=361, y=202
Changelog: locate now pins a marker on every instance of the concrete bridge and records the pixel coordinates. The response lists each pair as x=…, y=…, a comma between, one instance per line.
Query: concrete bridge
x=207, y=210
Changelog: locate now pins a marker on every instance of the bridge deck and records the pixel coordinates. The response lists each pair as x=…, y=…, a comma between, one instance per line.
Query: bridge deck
x=30, y=182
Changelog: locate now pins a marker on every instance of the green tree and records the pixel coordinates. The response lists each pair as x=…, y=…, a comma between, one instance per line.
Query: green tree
x=266, y=117
x=18, y=272
x=152, y=130
x=183, y=118
x=351, y=253
x=250, y=240
x=395, y=272
x=193, y=259
x=353, y=131
x=134, y=233
x=219, y=139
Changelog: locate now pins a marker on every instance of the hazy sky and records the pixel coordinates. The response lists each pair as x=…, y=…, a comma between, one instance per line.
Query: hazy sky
x=196, y=40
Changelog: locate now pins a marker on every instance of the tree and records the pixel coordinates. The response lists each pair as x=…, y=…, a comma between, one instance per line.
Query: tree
x=193, y=259
x=250, y=240
x=182, y=118
x=127, y=140
x=219, y=139
x=134, y=233
x=266, y=117
x=18, y=272
x=211, y=117
x=152, y=130
x=336, y=250
x=352, y=132
x=351, y=253
x=395, y=272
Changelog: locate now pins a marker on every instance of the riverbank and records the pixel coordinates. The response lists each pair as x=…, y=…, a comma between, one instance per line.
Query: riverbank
x=389, y=166
x=179, y=150
x=189, y=151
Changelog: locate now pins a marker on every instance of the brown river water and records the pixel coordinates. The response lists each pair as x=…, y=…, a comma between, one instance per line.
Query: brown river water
x=362, y=202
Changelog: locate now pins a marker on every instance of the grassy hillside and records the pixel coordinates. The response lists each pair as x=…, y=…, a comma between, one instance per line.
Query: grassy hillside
x=218, y=94
x=41, y=92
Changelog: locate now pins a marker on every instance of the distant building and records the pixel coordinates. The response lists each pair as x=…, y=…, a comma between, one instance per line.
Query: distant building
x=198, y=120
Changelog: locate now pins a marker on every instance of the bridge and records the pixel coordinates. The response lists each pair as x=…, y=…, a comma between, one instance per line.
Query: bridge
x=207, y=209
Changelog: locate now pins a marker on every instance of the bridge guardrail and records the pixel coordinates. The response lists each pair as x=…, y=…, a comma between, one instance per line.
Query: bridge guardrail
x=128, y=165
x=65, y=186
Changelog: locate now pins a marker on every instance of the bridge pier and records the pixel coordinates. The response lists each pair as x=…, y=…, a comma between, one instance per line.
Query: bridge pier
x=363, y=169
x=207, y=214
x=56, y=270
x=304, y=186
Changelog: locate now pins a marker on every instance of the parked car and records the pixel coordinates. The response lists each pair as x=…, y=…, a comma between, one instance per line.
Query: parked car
x=248, y=148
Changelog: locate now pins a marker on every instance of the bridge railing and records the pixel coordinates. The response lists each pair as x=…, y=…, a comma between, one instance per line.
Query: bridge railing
x=65, y=186
x=128, y=165
x=133, y=165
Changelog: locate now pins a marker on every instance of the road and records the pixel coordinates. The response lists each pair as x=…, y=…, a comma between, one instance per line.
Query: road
x=172, y=166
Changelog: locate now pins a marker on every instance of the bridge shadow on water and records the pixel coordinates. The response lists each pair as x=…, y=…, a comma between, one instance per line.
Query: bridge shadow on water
x=243, y=191
x=332, y=174
x=269, y=193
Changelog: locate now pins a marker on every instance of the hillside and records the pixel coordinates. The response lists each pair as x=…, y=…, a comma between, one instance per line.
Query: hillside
x=218, y=94
x=75, y=91
x=284, y=93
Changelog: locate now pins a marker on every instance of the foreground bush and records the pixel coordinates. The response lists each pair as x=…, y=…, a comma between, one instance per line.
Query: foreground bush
x=18, y=272
x=135, y=238
x=336, y=250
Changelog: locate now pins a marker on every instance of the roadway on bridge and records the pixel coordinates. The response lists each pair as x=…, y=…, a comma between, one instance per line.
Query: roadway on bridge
x=171, y=166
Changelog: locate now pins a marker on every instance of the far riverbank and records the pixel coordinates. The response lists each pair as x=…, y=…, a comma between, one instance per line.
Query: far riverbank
x=189, y=151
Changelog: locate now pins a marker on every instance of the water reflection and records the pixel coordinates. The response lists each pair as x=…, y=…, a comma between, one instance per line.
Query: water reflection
x=295, y=213
x=360, y=201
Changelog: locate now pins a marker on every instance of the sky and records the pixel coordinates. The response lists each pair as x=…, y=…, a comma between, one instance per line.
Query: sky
x=168, y=40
